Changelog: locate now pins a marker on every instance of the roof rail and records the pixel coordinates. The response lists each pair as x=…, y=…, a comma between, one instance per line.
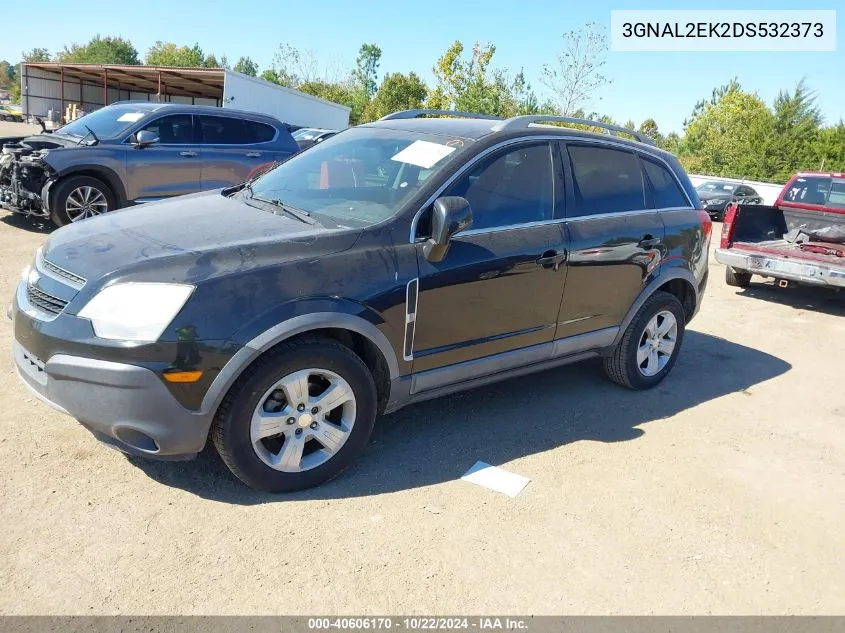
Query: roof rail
x=522, y=122
x=413, y=114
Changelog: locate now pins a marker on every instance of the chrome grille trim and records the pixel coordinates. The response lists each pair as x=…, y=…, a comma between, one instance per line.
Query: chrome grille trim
x=43, y=301
x=57, y=272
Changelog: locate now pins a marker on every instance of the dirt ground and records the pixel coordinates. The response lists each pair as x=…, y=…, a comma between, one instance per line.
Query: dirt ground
x=721, y=491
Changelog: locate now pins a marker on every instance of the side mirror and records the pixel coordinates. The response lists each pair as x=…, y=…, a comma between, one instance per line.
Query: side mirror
x=144, y=138
x=449, y=215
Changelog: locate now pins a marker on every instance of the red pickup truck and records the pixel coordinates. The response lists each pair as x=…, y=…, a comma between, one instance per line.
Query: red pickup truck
x=801, y=239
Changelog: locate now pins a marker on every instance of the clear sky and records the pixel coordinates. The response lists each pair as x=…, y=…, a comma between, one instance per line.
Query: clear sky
x=412, y=35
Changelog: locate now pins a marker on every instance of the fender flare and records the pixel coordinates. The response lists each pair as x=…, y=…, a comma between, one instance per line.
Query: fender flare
x=106, y=174
x=664, y=277
x=288, y=329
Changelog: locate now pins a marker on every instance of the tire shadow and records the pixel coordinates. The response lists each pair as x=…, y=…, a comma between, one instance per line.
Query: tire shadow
x=438, y=440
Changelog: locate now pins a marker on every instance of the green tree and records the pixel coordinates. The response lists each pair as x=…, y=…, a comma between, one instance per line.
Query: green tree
x=794, y=143
x=100, y=50
x=830, y=148
x=246, y=66
x=169, y=54
x=727, y=136
x=397, y=92
x=365, y=73
x=284, y=70
x=211, y=62
x=650, y=129
x=32, y=55
x=7, y=73
x=36, y=55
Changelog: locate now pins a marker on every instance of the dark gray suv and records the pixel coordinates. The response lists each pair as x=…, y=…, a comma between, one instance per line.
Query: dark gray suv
x=133, y=152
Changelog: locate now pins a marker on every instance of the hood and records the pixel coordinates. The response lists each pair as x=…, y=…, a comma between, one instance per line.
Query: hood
x=189, y=238
x=714, y=195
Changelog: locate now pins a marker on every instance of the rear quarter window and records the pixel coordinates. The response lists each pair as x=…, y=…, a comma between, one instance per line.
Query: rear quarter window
x=259, y=132
x=665, y=191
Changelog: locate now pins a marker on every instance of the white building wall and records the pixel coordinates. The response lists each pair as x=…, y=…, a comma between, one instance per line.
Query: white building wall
x=768, y=191
x=290, y=106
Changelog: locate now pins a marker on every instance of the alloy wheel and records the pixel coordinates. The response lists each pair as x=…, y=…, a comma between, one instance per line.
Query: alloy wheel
x=303, y=420
x=85, y=202
x=657, y=343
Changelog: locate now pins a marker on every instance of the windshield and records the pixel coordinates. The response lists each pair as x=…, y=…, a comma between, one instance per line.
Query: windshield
x=105, y=122
x=359, y=177
x=715, y=187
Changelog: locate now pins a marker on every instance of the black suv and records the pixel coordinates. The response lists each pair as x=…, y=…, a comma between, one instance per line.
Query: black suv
x=397, y=261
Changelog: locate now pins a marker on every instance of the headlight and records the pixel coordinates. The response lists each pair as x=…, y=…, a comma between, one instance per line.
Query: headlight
x=135, y=311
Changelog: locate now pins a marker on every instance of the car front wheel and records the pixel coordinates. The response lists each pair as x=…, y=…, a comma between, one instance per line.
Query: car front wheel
x=80, y=197
x=298, y=417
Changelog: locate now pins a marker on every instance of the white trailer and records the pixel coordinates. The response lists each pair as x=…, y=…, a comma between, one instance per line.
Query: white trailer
x=291, y=106
x=50, y=87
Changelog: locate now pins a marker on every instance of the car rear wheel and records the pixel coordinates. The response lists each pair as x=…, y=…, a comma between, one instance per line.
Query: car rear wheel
x=737, y=279
x=80, y=197
x=651, y=344
x=298, y=417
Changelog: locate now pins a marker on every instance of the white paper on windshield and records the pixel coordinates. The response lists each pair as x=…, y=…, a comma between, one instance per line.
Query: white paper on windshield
x=130, y=117
x=423, y=154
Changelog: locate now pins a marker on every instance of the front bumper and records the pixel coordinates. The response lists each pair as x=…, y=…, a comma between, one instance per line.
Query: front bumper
x=125, y=405
x=801, y=271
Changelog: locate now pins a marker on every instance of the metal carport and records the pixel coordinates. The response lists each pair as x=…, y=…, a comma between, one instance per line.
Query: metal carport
x=51, y=86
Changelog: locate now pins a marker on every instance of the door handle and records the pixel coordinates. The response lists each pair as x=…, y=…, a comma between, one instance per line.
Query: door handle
x=253, y=154
x=649, y=242
x=552, y=259
x=188, y=154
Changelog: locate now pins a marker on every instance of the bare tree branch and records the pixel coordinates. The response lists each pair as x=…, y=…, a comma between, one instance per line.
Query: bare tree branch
x=576, y=76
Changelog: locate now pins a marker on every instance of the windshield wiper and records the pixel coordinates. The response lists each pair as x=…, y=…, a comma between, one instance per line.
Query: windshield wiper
x=298, y=214
x=90, y=133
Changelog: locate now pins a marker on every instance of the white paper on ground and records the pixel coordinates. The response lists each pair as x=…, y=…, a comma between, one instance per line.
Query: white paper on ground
x=423, y=154
x=496, y=479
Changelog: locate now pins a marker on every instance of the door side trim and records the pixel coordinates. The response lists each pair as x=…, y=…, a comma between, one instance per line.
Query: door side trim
x=514, y=359
x=412, y=291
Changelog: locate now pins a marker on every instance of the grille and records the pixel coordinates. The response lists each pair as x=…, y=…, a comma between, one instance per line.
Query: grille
x=64, y=274
x=43, y=301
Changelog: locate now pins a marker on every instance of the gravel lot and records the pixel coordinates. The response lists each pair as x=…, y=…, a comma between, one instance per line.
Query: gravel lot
x=721, y=491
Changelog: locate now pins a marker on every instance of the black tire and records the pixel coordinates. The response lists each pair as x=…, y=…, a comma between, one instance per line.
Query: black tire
x=231, y=429
x=621, y=366
x=737, y=279
x=63, y=189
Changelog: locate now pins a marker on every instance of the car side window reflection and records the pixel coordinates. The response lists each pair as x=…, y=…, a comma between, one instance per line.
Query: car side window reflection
x=510, y=188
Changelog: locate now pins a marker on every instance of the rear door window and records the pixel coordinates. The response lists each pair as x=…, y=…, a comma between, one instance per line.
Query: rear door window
x=665, y=191
x=605, y=180
x=220, y=130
